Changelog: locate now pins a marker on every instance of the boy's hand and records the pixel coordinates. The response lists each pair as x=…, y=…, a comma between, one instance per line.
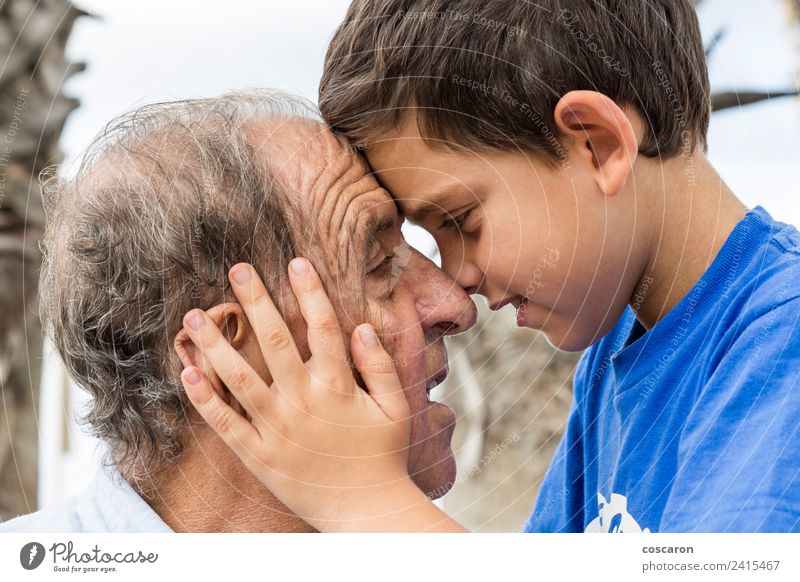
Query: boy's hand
x=331, y=452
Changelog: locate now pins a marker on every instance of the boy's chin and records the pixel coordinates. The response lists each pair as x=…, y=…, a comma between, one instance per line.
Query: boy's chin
x=569, y=342
x=561, y=332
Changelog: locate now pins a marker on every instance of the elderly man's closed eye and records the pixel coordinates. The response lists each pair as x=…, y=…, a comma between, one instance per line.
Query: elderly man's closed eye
x=167, y=200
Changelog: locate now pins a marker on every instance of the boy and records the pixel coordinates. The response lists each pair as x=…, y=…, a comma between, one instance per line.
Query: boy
x=576, y=132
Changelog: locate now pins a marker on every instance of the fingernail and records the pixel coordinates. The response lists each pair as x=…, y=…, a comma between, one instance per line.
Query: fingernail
x=299, y=266
x=192, y=376
x=196, y=320
x=367, y=334
x=241, y=274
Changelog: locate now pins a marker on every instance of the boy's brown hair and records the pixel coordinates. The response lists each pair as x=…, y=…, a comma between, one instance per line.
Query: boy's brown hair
x=487, y=74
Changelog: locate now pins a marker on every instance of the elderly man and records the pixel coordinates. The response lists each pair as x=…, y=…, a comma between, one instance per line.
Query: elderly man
x=165, y=202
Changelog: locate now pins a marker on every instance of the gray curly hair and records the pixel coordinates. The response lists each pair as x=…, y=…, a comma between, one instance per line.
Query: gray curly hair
x=163, y=203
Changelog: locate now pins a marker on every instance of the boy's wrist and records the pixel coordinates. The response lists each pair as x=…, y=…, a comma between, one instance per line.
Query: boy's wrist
x=399, y=506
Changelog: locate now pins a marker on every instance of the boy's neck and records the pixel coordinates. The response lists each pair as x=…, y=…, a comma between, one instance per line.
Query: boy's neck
x=692, y=214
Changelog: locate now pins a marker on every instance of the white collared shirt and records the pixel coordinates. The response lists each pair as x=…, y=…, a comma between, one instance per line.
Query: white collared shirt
x=109, y=504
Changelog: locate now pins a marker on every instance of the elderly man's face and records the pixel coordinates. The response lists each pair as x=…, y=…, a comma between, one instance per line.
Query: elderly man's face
x=350, y=229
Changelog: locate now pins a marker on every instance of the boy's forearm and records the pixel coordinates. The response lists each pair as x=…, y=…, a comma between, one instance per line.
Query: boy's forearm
x=400, y=507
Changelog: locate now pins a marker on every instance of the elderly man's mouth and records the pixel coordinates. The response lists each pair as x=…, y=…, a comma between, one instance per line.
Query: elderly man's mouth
x=434, y=381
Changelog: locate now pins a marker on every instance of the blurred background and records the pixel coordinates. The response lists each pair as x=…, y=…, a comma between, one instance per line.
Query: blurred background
x=68, y=68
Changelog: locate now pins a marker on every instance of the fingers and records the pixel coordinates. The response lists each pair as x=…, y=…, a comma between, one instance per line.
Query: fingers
x=276, y=341
x=324, y=334
x=232, y=427
x=380, y=376
x=244, y=383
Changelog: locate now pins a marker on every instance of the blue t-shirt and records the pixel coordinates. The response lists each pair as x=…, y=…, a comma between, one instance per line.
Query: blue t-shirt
x=694, y=425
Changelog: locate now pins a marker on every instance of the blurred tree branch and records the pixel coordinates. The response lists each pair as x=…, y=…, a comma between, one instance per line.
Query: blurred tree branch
x=33, y=109
x=729, y=100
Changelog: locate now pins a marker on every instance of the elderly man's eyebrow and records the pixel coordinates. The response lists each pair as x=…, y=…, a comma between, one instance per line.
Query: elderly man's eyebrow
x=371, y=229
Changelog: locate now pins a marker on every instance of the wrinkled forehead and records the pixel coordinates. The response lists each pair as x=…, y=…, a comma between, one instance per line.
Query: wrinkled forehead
x=335, y=200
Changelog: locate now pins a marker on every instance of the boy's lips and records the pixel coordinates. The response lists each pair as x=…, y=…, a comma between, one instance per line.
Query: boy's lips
x=522, y=307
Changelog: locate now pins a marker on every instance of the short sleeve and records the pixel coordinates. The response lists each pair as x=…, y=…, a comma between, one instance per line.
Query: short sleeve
x=739, y=453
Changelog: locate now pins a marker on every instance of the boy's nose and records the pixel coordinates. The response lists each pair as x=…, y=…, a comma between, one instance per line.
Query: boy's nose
x=468, y=276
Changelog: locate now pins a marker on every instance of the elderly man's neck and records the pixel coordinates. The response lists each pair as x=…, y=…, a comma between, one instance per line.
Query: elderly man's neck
x=209, y=490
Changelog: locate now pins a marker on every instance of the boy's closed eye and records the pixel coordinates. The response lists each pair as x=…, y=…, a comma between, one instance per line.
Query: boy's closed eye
x=456, y=222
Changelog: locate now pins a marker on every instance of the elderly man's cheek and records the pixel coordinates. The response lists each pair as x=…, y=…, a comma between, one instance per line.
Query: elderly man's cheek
x=350, y=306
x=381, y=314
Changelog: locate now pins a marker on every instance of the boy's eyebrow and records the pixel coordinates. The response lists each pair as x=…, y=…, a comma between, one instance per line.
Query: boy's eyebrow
x=435, y=203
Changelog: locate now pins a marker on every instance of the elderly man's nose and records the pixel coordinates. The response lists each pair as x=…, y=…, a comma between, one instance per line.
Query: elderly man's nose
x=449, y=313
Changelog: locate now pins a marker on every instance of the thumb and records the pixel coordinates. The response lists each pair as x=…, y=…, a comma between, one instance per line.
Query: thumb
x=378, y=371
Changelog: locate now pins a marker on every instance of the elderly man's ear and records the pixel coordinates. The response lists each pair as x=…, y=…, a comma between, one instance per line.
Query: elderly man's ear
x=232, y=322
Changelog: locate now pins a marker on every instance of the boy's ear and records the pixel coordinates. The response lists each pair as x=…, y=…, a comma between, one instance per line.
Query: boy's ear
x=603, y=136
x=231, y=321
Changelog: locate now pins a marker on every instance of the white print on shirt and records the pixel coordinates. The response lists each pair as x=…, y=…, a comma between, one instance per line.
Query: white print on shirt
x=613, y=517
